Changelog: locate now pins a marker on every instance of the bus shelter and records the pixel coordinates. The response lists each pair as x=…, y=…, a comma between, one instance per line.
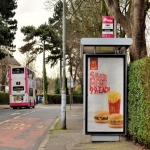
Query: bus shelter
x=105, y=87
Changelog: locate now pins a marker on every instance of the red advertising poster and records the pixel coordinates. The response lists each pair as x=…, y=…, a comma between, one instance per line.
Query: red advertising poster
x=105, y=90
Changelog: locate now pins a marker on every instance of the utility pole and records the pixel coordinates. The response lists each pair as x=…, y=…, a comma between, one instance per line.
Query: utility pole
x=44, y=72
x=63, y=92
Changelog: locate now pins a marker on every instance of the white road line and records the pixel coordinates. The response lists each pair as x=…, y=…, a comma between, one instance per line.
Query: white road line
x=16, y=117
x=15, y=114
x=4, y=121
x=25, y=114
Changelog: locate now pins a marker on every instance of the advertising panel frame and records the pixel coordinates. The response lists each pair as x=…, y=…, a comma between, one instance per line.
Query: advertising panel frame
x=86, y=93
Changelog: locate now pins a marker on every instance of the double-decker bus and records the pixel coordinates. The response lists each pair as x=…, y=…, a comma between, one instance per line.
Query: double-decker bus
x=22, y=87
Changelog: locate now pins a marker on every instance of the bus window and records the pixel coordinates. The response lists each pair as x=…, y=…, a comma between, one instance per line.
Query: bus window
x=17, y=70
x=18, y=97
x=30, y=74
x=30, y=91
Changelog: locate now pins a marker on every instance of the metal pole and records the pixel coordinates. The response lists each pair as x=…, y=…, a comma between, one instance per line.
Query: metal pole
x=70, y=92
x=44, y=72
x=63, y=92
x=115, y=29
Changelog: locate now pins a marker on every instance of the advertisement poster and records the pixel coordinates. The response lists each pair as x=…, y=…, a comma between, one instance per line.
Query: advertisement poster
x=105, y=87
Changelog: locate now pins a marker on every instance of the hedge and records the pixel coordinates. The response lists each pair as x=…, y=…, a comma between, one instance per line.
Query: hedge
x=4, y=98
x=139, y=101
x=51, y=99
x=56, y=99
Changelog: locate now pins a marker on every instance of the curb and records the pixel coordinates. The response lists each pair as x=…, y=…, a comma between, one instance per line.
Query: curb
x=46, y=139
x=2, y=108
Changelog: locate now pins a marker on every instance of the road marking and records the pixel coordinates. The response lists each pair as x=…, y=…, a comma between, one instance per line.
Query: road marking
x=40, y=126
x=23, y=132
x=16, y=117
x=19, y=128
x=15, y=114
x=4, y=121
x=25, y=114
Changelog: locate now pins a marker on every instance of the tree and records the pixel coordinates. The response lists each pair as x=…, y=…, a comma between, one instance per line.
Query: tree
x=129, y=14
x=133, y=23
x=87, y=16
x=51, y=85
x=46, y=83
x=72, y=36
x=26, y=61
x=56, y=22
x=36, y=38
x=4, y=64
x=30, y=47
x=39, y=85
x=57, y=86
x=57, y=91
x=8, y=25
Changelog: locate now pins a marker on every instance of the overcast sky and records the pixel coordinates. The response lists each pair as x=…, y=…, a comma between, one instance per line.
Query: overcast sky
x=30, y=12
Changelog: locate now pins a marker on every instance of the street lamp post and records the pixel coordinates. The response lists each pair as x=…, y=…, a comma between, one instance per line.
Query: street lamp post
x=63, y=92
x=44, y=72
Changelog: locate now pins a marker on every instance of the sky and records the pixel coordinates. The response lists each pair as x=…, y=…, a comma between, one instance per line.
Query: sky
x=32, y=12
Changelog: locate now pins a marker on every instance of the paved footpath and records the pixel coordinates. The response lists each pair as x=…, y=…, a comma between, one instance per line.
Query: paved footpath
x=73, y=139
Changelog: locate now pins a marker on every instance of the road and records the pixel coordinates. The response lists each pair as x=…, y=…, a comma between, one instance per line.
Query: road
x=24, y=129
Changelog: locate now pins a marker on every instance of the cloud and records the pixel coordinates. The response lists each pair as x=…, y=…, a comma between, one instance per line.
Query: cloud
x=30, y=13
x=29, y=6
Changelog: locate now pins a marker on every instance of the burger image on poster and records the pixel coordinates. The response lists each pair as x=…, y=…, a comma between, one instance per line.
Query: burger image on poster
x=101, y=116
x=115, y=121
x=112, y=69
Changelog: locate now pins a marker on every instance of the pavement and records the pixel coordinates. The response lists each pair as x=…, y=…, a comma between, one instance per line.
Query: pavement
x=4, y=107
x=72, y=138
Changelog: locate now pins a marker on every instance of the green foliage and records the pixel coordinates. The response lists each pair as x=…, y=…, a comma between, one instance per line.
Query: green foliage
x=139, y=100
x=29, y=31
x=8, y=25
x=46, y=83
x=56, y=99
x=77, y=90
x=56, y=20
x=4, y=98
x=48, y=38
x=57, y=86
x=77, y=99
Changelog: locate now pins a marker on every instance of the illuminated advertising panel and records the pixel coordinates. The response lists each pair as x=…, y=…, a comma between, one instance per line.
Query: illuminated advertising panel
x=105, y=94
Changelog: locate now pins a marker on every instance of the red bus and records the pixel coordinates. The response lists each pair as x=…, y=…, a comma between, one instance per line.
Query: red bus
x=22, y=87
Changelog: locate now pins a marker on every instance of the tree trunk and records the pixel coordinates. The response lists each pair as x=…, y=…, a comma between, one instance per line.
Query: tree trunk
x=60, y=88
x=134, y=25
x=138, y=48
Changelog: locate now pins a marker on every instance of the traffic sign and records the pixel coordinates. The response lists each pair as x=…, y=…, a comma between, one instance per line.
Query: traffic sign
x=107, y=27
